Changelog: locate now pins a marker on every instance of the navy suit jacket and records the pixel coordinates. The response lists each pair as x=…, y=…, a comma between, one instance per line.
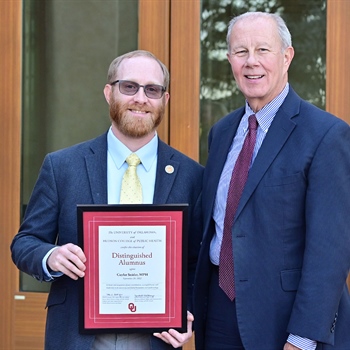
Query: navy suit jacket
x=78, y=175
x=291, y=236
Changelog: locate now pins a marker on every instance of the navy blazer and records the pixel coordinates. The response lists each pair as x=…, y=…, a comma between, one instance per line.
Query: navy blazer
x=78, y=175
x=291, y=237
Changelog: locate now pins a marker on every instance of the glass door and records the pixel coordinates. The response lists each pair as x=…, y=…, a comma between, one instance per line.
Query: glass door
x=67, y=49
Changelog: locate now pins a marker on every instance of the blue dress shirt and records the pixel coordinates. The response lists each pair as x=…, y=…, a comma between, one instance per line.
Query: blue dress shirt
x=116, y=166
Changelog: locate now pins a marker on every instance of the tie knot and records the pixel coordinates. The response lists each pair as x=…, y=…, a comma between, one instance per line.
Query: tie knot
x=133, y=160
x=252, y=122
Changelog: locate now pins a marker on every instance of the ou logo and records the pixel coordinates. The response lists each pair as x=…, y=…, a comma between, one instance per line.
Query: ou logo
x=132, y=307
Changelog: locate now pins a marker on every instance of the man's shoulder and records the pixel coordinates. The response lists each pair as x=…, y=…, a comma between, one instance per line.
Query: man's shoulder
x=308, y=112
x=89, y=146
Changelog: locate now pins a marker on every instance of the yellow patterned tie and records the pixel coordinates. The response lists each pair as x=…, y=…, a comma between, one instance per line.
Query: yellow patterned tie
x=131, y=192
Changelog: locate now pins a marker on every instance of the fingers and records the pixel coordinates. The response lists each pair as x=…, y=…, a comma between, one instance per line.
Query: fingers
x=175, y=338
x=190, y=319
x=68, y=259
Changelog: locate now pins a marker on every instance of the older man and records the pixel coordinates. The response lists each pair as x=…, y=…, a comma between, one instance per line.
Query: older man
x=276, y=200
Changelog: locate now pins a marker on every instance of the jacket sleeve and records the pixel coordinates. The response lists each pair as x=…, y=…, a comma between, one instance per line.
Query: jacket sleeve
x=326, y=259
x=38, y=232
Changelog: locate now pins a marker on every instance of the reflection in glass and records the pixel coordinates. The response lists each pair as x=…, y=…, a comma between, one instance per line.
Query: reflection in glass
x=219, y=95
x=67, y=49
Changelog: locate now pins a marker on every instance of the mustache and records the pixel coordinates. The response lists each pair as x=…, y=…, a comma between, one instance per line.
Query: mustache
x=140, y=108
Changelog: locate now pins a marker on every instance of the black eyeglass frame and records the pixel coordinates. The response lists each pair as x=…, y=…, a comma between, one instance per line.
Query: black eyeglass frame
x=163, y=89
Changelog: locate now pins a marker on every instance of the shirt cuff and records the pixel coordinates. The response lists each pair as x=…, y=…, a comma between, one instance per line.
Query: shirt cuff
x=47, y=275
x=302, y=343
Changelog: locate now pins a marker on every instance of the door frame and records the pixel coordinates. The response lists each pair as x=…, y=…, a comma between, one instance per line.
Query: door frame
x=10, y=159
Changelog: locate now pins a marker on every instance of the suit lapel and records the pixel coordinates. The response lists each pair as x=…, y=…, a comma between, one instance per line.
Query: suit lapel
x=222, y=147
x=96, y=165
x=219, y=148
x=167, y=170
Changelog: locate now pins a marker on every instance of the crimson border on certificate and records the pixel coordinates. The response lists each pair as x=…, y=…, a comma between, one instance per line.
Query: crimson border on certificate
x=172, y=221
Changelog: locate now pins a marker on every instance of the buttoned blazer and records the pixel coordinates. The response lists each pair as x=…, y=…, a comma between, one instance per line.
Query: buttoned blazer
x=291, y=236
x=78, y=175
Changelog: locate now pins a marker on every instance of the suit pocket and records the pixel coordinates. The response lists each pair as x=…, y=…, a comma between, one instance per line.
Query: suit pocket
x=284, y=180
x=56, y=297
x=290, y=280
x=283, y=196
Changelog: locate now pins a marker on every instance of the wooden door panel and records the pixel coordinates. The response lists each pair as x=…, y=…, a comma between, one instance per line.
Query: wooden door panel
x=30, y=316
x=10, y=140
x=338, y=72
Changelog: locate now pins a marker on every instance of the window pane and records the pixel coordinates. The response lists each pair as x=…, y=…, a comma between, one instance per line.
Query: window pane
x=306, y=21
x=68, y=46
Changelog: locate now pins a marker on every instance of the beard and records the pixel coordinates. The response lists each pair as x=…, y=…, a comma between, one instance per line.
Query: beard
x=132, y=126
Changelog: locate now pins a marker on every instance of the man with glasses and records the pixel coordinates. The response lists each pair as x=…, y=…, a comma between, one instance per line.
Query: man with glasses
x=91, y=173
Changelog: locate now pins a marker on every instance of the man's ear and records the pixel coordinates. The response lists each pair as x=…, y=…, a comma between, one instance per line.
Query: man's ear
x=288, y=56
x=107, y=92
x=167, y=96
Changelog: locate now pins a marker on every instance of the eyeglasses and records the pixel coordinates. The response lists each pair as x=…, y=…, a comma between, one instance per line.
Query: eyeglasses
x=130, y=88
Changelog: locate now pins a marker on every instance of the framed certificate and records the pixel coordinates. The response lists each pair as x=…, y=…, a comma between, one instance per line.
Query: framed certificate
x=136, y=268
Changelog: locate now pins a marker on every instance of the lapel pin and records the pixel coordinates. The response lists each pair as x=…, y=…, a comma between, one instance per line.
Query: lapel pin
x=169, y=169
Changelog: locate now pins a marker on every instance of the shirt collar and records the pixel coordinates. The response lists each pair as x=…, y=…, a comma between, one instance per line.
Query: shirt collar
x=266, y=115
x=119, y=152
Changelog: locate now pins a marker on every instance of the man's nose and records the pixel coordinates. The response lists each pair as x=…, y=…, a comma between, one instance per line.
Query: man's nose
x=140, y=95
x=252, y=58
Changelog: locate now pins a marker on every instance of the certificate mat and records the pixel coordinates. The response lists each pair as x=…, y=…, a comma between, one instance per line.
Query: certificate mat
x=136, y=268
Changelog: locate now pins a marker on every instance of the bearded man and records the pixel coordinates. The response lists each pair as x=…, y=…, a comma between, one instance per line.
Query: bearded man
x=46, y=245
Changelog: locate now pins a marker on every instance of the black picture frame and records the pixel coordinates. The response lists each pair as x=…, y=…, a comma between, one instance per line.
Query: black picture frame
x=129, y=302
